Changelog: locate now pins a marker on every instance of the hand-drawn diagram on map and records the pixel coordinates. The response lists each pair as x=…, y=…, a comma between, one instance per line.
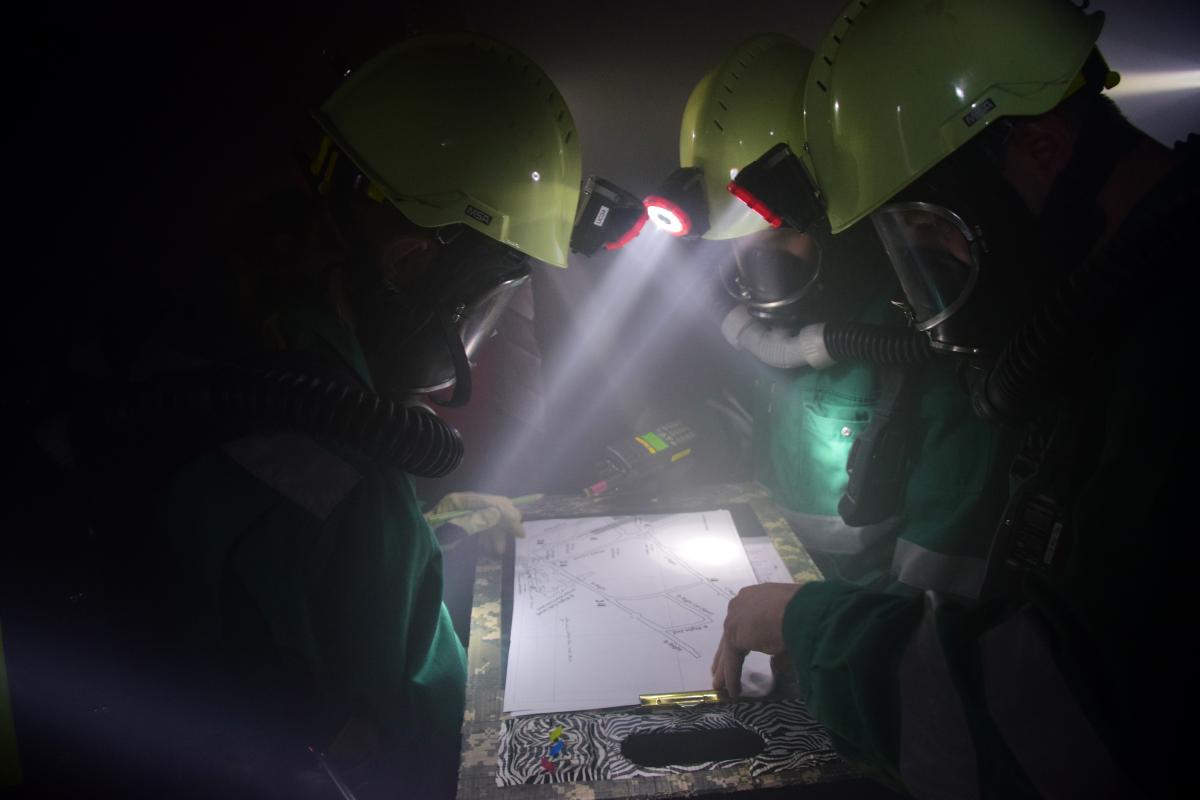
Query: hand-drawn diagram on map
x=607, y=608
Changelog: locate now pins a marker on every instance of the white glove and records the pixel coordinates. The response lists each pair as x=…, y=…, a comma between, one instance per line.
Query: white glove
x=492, y=517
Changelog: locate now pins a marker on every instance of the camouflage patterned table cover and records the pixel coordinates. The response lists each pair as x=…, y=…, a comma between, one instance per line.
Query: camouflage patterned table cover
x=482, y=721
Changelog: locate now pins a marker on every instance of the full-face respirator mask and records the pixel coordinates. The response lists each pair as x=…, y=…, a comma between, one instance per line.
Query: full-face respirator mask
x=964, y=248
x=424, y=336
x=775, y=275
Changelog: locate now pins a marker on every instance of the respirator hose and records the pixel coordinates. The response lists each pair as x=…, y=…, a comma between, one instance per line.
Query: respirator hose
x=876, y=344
x=1066, y=332
x=1047, y=343
x=231, y=399
x=823, y=344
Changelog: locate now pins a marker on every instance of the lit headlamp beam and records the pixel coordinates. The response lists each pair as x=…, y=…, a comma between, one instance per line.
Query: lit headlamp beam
x=683, y=285
x=594, y=334
x=649, y=263
x=604, y=317
x=1136, y=84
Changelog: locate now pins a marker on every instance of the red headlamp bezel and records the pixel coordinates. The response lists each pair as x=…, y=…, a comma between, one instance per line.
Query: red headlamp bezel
x=654, y=201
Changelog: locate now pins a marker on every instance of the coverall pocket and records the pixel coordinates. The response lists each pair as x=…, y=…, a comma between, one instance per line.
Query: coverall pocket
x=810, y=464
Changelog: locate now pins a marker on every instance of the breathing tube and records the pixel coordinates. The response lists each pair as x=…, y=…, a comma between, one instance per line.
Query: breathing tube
x=1066, y=331
x=235, y=399
x=824, y=344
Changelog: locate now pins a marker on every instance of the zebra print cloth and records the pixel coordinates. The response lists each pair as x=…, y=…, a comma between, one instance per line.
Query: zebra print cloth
x=593, y=739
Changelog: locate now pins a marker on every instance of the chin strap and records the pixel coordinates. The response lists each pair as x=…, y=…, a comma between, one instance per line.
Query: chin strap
x=458, y=355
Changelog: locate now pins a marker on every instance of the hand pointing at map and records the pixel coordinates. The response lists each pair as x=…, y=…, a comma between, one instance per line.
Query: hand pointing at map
x=609, y=608
x=754, y=621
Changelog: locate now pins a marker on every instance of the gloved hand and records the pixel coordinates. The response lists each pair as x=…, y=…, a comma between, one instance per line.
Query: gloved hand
x=492, y=517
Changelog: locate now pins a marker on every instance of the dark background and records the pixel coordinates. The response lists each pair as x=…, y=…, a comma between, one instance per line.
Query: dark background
x=126, y=129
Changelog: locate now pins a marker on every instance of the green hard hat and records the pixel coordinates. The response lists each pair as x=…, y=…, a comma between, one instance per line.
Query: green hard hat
x=899, y=85
x=747, y=104
x=462, y=128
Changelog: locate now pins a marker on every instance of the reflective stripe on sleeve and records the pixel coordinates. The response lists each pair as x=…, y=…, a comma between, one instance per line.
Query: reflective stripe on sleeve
x=298, y=468
x=1039, y=718
x=928, y=570
x=937, y=754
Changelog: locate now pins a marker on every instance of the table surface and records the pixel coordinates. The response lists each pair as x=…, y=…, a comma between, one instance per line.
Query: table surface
x=485, y=692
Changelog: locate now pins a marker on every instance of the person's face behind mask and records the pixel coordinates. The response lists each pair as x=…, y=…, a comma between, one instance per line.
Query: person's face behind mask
x=414, y=288
x=776, y=274
x=791, y=279
x=965, y=249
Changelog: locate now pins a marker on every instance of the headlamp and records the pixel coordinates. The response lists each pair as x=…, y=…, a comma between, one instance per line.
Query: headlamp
x=679, y=207
x=778, y=188
x=608, y=217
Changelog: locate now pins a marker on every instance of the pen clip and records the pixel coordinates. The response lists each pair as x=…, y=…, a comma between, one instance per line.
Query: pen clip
x=683, y=699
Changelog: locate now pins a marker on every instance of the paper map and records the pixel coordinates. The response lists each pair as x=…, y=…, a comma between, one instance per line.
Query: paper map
x=607, y=608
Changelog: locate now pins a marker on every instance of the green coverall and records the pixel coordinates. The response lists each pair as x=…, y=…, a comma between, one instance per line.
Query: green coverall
x=1059, y=687
x=329, y=554
x=809, y=420
x=806, y=420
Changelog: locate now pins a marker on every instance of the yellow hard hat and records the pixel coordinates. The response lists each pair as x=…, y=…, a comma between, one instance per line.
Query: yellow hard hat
x=750, y=102
x=461, y=128
x=898, y=86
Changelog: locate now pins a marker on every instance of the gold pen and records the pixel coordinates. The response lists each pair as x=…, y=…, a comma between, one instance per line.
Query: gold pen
x=684, y=699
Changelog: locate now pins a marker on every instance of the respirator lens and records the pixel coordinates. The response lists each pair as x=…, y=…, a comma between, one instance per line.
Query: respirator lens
x=935, y=257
